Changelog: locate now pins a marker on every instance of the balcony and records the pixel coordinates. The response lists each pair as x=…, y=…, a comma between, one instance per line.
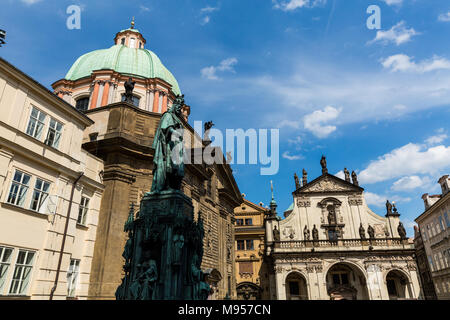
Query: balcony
x=343, y=245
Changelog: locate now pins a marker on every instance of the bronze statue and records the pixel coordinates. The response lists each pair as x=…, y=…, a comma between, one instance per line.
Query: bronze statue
x=306, y=233
x=371, y=232
x=168, y=170
x=347, y=175
x=305, y=178
x=315, y=233
x=323, y=163
x=401, y=231
x=129, y=87
x=276, y=234
x=208, y=125
x=388, y=207
x=297, y=182
x=355, y=178
x=362, y=232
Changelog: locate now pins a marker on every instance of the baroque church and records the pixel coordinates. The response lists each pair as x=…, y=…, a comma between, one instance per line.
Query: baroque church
x=331, y=245
x=122, y=137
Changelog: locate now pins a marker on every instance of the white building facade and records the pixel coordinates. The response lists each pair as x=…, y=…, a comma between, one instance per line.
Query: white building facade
x=434, y=226
x=332, y=246
x=45, y=177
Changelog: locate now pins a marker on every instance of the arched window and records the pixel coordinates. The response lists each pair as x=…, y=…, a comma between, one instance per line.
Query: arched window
x=136, y=100
x=123, y=41
x=82, y=104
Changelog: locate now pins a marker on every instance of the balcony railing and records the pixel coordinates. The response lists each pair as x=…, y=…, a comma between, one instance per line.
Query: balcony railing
x=381, y=242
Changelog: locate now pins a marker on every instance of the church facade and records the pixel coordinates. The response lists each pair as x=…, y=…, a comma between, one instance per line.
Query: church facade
x=332, y=246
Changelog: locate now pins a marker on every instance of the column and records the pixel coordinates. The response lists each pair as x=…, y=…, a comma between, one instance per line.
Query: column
x=94, y=95
x=105, y=94
x=156, y=101
x=164, y=103
x=160, y=102
x=100, y=94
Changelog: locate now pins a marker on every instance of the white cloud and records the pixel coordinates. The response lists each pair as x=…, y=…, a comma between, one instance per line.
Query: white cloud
x=297, y=142
x=225, y=65
x=286, y=155
x=208, y=9
x=398, y=34
x=380, y=200
x=340, y=175
x=403, y=63
x=393, y=2
x=290, y=5
x=30, y=2
x=144, y=8
x=409, y=183
x=205, y=20
x=439, y=138
x=316, y=122
x=444, y=17
x=407, y=160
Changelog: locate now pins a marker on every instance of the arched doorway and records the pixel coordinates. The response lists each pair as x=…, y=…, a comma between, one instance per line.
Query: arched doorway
x=296, y=288
x=248, y=291
x=397, y=285
x=346, y=282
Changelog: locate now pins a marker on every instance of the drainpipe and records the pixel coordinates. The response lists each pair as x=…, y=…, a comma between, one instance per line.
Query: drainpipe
x=61, y=252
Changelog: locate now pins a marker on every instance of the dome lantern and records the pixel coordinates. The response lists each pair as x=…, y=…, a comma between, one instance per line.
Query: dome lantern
x=130, y=38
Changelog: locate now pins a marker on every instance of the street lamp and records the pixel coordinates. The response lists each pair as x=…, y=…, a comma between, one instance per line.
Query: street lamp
x=2, y=37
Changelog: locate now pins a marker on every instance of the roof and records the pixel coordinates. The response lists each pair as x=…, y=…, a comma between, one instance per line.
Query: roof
x=141, y=63
x=50, y=95
x=339, y=181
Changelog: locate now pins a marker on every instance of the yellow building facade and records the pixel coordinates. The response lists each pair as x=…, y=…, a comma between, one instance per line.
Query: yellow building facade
x=251, y=271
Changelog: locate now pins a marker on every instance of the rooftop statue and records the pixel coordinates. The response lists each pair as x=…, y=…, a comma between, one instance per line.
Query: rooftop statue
x=355, y=178
x=388, y=207
x=297, y=182
x=347, y=175
x=129, y=87
x=323, y=163
x=168, y=170
x=208, y=125
x=305, y=177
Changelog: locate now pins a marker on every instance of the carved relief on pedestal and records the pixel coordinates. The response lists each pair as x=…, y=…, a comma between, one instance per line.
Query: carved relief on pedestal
x=289, y=232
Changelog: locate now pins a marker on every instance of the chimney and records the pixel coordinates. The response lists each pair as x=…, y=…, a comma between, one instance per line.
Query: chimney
x=445, y=184
x=430, y=200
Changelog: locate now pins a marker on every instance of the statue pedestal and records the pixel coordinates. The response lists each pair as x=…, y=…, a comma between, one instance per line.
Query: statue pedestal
x=164, y=251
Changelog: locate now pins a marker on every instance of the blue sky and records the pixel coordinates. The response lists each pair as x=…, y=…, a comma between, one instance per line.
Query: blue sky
x=374, y=101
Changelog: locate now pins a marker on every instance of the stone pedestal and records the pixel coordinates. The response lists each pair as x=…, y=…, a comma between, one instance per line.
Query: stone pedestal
x=164, y=251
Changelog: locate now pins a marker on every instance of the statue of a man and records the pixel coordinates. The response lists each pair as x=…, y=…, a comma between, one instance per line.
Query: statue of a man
x=208, y=126
x=371, y=232
x=148, y=279
x=276, y=234
x=347, y=175
x=355, y=178
x=305, y=177
x=323, y=163
x=168, y=171
x=331, y=216
x=362, y=232
x=388, y=207
x=297, y=182
x=306, y=234
x=401, y=231
x=315, y=233
x=129, y=87
x=178, y=242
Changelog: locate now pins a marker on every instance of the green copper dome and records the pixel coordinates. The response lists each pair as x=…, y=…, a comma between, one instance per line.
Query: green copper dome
x=141, y=63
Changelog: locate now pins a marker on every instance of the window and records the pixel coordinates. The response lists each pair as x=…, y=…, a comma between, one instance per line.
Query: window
x=424, y=234
x=249, y=244
x=40, y=196
x=239, y=222
x=133, y=43
x=248, y=222
x=82, y=211
x=447, y=221
x=430, y=261
x=22, y=273
x=240, y=244
x=82, y=104
x=54, y=133
x=392, y=288
x=72, y=277
x=441, y=223
x=5, y=261
x=340, y=278
x=36, y=123
x=123, y=41
x=19, y=188
x=332, y=235
x=136, y=100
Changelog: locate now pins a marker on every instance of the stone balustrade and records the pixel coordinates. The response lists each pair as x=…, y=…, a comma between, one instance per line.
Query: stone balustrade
x=344, y=243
